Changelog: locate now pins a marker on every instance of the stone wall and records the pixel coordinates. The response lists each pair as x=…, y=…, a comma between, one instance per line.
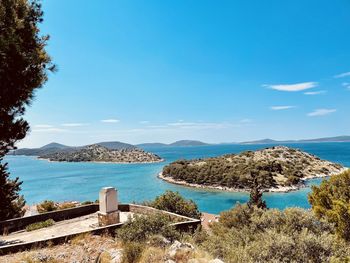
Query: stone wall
x=16, y=224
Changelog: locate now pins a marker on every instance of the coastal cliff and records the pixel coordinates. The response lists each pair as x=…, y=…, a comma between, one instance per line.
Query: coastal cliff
x=277, y=169
x=98, y=153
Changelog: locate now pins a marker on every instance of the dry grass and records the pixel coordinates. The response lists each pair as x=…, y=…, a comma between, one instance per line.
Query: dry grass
x=153, y=254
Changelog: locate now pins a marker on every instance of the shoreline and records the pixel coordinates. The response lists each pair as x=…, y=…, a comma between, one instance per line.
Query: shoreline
x=98, y=162
x=280, y=189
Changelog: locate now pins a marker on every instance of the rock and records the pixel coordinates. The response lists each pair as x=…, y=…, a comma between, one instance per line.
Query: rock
x=158, y=241
x=177, y=246
x=216, y=261
x=42, y=258
x=116, y=255
x=61, y=255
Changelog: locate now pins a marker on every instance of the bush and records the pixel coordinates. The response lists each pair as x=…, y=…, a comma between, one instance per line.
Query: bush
x=87, y=203
x=246, y=234
x=47, y=206
x=142, y=227
x=331, y=201
x=39, y=225
x=66, y=206
x=132, y=252
x=173, y=202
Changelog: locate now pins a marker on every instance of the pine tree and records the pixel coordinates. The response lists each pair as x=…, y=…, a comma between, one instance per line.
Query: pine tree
x=256, y=193
x=24, y=65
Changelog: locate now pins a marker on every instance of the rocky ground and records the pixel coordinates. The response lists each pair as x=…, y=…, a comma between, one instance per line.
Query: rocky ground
x=104, y=249
x=97, y=153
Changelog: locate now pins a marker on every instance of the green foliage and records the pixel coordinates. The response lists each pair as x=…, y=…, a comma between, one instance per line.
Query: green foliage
x=47, y=206
x=39, y=225
x=234, y=171
x=255, y=198
x=11, y=203
x=132, y=252
x=87, y=203
x=331, y=201
x=23, y=69
x=173, y=202
x=142, y=227
x=251, y=234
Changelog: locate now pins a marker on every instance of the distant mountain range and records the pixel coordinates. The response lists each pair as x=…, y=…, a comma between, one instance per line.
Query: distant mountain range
x=57, y=147
x=326, y=139
x=115, y=145
x=54, y=147
x=177, y=143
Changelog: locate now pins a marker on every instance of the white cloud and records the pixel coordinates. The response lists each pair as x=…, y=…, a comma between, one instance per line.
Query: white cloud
x=292, y=87
x=315, y=92
x=74, y=124
x=321, y=112
x=342, y=75
x=202, y=125
x=345, y=84
x=110, y=121
x=50, y=130
x=144, y=122
x=43, y=126
x=281, y=107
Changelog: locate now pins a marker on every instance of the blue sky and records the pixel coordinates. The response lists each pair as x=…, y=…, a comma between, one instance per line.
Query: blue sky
x=217, y=71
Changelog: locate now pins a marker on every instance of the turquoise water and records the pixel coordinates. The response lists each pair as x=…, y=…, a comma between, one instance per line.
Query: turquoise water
x=138, y=182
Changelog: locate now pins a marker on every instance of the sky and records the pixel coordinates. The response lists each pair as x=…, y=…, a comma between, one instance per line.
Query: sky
x=216, y=71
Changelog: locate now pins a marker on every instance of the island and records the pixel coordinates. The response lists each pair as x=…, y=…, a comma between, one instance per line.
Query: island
x=98, y=153
x=277, y=169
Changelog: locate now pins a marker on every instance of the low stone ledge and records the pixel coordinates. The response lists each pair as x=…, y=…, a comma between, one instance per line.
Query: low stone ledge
x=17, y=224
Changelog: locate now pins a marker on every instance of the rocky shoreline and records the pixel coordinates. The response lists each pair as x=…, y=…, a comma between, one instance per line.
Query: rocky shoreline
x=280, y=189
x=99, y=162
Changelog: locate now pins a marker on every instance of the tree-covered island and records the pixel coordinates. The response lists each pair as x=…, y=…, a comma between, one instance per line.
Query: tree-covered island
x=276, y=168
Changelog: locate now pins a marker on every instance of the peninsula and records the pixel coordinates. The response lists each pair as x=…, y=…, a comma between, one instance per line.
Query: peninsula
x=279, y=169
x=98, y=153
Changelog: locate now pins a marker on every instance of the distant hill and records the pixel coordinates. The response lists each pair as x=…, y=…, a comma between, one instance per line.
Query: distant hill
x=326, y=139
x=98, y=153
x=177, y=143
x=343, y=138
x=150, y=144
x=116, y=145
x=56, y=147
x=188, y=143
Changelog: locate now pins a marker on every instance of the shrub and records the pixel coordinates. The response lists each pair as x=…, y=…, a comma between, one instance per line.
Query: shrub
x=142, y=227
x=39, y=225
x=132, y=252
x=46, y=206
x=331, y=201
x=87, y=203
x=246, y=234
x=173, y=202
x=66, y=206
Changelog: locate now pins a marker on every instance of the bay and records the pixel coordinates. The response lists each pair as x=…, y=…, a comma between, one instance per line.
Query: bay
x=62, y=181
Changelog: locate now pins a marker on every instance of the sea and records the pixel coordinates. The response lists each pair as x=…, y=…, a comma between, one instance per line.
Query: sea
x=62, y=181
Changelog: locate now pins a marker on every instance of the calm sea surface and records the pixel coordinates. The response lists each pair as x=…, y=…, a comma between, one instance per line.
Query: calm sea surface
x=138, y=182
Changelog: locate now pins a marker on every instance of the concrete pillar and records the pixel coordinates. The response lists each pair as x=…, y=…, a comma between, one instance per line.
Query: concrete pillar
x=108, y=213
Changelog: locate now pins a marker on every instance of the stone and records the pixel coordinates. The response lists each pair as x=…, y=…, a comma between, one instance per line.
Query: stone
x=176, y=246
x=108, y=203
x=108, y=200
x=216, y=261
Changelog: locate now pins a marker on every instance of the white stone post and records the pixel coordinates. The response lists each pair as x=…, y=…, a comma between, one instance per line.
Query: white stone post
x=108, y=213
